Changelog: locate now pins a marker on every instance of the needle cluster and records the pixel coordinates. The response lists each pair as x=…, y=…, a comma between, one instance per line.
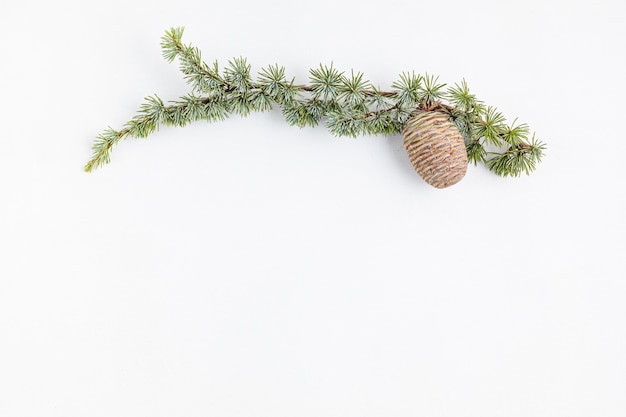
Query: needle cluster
x=348, y=104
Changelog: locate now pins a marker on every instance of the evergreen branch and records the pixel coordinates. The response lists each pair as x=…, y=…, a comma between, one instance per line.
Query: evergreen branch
x=517, y=159
x=151, y=115
x=102, y=148
x=198, y=74
x=349, y=105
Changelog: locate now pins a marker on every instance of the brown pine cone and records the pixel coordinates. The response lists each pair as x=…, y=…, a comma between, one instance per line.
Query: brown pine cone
x=435, y=147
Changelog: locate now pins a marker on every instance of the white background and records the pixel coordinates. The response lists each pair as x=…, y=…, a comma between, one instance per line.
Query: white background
x=250, y=268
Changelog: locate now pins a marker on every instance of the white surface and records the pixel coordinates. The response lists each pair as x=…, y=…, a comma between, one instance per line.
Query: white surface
x=250, y=268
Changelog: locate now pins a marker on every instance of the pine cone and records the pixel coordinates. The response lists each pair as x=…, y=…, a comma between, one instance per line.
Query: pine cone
x=435, y=147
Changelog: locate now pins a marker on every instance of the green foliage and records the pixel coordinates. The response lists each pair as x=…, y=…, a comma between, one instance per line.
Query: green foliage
x=171, y=43
x=348, y=105
x=476, y=152
x=516, y=135
x=326, y=82
x=299, y=113
x=408, y=89
x=431, y=91
x=102, y=148
x=237, y=75
x=517, y=159
x=352, y=91
x=465, y=102
x=274, y=85
x=492, y=127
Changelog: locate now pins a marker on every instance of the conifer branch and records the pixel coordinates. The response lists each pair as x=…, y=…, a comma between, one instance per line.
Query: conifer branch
x=349, y=105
